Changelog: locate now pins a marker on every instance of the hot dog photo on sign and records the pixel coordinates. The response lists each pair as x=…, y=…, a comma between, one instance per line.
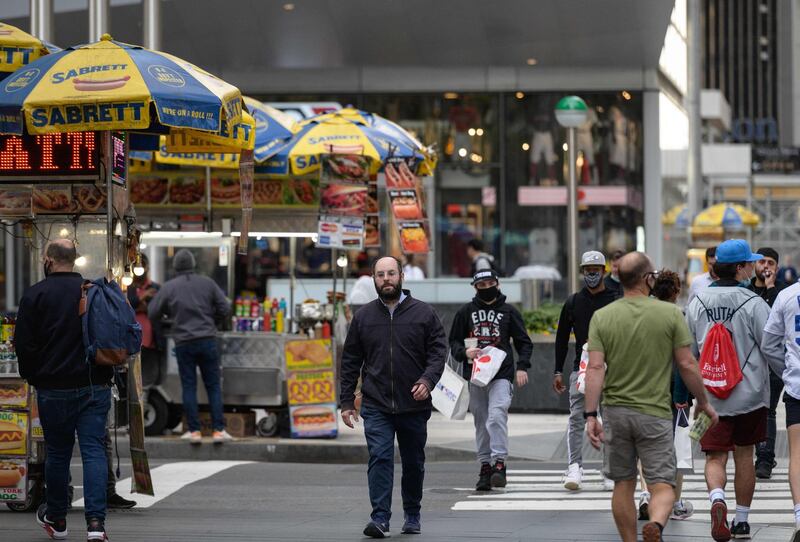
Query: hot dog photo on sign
x=13, y=479
x=53, y=199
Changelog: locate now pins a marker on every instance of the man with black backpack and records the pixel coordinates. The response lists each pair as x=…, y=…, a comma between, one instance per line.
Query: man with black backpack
x=576, y=314
x=74, y=396
x=727, y=322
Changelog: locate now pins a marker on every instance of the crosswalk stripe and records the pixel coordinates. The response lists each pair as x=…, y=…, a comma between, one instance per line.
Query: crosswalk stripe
x=170, y=478
x=532, y=490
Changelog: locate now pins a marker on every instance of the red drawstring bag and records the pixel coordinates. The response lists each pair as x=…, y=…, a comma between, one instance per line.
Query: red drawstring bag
x=719, y=363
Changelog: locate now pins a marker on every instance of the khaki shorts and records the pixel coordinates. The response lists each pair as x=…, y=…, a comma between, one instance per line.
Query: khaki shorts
x=629, y=435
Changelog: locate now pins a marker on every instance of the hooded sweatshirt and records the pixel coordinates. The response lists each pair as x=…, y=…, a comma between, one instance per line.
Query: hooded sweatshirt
x=750, y=313
x=494, y=324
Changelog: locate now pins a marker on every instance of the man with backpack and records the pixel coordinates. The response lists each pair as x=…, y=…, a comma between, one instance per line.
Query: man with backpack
x=576, y=314
x=491, y=322
x=727, y=322
x=74, y=396
x=481, y=260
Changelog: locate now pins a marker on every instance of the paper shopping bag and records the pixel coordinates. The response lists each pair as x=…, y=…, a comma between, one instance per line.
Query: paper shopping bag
x=683, y=443
x=450, y=396
x=486, y=365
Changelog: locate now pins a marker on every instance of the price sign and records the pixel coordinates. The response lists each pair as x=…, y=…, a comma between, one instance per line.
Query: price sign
x=69, y=156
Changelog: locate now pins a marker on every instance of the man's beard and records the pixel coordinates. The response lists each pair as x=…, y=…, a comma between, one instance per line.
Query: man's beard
x=760, y=276
x=389, y=295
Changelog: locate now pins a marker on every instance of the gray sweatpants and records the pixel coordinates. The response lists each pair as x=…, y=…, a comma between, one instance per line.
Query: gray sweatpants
x=489, y=407
x=577, y=403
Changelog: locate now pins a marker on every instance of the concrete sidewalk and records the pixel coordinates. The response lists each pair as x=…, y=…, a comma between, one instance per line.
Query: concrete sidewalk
x=532, y=437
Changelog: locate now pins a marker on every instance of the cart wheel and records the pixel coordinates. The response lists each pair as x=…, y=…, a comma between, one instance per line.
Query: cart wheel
x=268, y=426
x=156, y=415
x=32, y=502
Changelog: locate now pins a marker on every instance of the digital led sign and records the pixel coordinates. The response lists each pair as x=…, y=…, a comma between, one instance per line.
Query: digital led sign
x=119, y=158
x=69, y=156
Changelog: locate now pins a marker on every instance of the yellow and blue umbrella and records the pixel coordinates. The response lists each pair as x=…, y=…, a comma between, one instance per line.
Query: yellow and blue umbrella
x=389, y=129
x=678, y=216
x=301, y=154
x=18, y=48
x=727, y=215
x=273, y=128
x=108, y=85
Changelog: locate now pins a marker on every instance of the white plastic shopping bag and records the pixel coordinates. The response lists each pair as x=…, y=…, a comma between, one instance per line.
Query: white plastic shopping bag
x=486, y=365
x=580, y=383
x=683, y=444
x=450, y=396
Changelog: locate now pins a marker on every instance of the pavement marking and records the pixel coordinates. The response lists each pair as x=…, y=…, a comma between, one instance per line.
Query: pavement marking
x=170, y=478
x=532, y=490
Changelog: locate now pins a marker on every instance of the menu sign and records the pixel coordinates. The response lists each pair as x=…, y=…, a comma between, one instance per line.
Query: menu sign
x=13, y=479
x=13, y=393
x=14, y=433
x=311, y=386
x=340, y=232
x=406, y=198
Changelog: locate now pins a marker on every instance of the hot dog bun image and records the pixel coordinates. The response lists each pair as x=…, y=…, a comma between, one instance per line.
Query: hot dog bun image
x=10, y=474
x=91, y=85
x=11, y=436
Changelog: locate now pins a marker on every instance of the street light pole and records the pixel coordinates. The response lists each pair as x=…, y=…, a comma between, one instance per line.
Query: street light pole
x=571, y=112
x=572, y=211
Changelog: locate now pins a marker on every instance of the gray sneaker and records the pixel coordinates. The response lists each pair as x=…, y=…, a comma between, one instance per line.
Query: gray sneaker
x=681, y=510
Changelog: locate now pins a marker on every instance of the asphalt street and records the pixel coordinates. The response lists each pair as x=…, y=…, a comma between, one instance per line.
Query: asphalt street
x=204, y=501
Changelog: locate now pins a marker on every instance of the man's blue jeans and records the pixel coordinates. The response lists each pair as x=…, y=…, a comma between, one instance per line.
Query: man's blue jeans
x=205, y=355
x=65, y=413
x=380, y=429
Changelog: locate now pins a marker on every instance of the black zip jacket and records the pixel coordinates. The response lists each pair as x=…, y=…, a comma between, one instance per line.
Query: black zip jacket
x=495, y=324
x=49, y=336
x=392, y=353
x=576, y=314
x=767, y=294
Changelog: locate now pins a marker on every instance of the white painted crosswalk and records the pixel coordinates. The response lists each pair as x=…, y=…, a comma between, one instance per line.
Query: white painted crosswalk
x=542, y=490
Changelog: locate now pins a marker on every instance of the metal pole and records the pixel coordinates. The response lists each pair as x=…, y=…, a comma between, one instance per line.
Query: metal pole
x=572, y=213
x=99, y=15
x=502, y=200
x=334, y=265
x=209, y=210
x=292, y=280
x=694, y=175
x=152, y=24
x=107, y=151
x=11, y=269
x=42, y=19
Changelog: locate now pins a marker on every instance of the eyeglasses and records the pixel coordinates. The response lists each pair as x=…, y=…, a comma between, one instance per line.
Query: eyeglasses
x=654, y=274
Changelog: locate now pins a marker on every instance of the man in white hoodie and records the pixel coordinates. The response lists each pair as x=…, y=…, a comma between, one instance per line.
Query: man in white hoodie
x=742, y=414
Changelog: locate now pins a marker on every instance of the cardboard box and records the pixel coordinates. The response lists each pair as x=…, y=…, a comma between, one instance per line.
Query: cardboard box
x=238, y=424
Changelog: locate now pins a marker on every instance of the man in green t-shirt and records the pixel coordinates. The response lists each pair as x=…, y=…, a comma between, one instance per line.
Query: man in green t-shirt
x=637, y=338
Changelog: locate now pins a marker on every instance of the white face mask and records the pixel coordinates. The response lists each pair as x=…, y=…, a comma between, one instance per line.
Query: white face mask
x=592, y=280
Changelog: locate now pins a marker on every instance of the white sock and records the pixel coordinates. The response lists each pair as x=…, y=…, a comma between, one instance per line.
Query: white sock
x=797, y=515
x=742, y=512
x=715, y=494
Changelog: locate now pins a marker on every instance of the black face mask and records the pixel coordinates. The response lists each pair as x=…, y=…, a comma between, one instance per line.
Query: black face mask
x=488, y=294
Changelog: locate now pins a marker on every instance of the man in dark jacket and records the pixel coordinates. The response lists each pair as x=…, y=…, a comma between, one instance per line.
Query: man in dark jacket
x=490, y=321
x=611, y=281
x=195, y=304
x=575, y=316
x=398, y=346
x=73, y=396
x=766, y=285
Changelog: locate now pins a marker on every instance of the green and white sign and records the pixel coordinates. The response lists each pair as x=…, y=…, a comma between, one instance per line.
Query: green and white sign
x=571, y=111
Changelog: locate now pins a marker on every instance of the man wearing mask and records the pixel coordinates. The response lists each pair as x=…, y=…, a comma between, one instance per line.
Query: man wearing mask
x=195, y=303
x=743, y=413
x=576, y=314
x=398, y=346
x=74, y=397
x=766, y=285
x=611, y=280
x=493, y=322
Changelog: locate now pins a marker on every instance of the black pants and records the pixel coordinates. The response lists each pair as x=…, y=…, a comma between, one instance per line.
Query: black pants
x=765, y=451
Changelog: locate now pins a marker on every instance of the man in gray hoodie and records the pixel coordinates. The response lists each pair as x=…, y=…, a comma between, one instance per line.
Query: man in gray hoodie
x=743, y=414
x=195, y=304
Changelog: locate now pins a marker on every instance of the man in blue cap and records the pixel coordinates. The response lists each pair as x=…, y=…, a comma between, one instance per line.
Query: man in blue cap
x=742, y=412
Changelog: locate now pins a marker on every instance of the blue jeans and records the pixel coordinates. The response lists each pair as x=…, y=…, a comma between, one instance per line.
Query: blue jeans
x=205, y=355
x=64, y=413
x=380, y=429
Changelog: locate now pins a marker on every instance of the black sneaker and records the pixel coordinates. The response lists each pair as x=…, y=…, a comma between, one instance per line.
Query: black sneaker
x=484, y=478
x=119, y=502
x=740, y=530
x=96, y=531
x=412, y=525
x=375, y=529
x=499, y=474
x=764, y=469
x=55, y=529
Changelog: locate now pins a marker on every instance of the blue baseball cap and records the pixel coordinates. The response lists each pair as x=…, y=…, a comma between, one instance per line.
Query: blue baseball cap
x=736, y=251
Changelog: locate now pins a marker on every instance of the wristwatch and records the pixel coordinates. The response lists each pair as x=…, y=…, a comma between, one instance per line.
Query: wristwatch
x=592, y=414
